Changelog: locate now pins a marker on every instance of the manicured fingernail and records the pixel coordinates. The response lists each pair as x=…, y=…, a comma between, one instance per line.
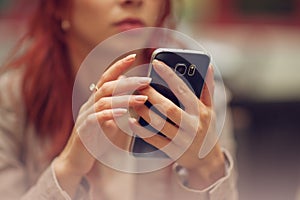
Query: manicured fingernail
x=132, y=120
x=130, y=58
x=141, y=98
x=158, y=65
x=145, y=80
x=119, y=111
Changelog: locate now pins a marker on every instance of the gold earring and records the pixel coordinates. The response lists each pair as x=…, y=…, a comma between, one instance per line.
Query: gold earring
x=65, y=25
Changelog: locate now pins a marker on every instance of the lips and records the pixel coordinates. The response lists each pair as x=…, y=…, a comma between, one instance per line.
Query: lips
x=129, y=24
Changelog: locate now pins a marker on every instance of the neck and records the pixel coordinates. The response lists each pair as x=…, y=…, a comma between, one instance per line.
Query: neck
x=78, y=52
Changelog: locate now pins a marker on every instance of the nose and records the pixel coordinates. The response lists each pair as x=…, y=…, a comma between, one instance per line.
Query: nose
x=131, y=2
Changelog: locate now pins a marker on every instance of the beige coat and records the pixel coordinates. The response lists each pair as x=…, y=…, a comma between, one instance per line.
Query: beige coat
x=26, y=174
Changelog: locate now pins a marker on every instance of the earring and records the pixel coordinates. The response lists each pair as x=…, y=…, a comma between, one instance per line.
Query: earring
x=65, y=25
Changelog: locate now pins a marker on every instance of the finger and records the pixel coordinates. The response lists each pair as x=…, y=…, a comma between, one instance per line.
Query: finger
x=124, y=101
x=177, y=86
x=122, y=86
x=110, y=114
x=92, y=132
x=166, y=107
x=208, y=88
x=178, y=135
x=158, y=141
x=117, y=69
x=94, y=121
x=159, y=123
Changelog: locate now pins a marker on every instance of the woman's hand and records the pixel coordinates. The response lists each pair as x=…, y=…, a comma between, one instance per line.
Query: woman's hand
x=184, y=139
x=97, y=117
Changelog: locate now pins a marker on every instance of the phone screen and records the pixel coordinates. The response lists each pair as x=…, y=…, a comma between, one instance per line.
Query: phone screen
x=191, y=67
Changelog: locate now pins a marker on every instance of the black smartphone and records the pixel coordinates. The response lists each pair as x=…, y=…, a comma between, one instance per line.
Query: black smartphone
x=191, y=66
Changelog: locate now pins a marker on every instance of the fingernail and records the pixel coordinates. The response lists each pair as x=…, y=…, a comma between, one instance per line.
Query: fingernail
x=158, y=65
x=132, y=120
x=141, y=98
x=130, y=58
x=145, y=80
x=119, y=111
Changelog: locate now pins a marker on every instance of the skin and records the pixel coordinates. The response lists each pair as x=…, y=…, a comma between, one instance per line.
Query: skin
x=92, y=21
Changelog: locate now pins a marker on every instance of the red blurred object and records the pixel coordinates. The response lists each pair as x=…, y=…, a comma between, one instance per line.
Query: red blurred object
x=279, y=12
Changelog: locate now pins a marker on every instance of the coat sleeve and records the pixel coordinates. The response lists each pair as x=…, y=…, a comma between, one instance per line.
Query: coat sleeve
x=12, y=174
x=222, y=189
x=47, y=187
x=14, y=180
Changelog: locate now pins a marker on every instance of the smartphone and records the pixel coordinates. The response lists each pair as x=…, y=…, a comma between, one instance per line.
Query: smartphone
x=191, y=66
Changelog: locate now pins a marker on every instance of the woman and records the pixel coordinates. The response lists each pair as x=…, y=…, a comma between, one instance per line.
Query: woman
x=42, y=155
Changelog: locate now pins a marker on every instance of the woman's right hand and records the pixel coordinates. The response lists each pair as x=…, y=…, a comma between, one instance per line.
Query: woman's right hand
x=75, y=161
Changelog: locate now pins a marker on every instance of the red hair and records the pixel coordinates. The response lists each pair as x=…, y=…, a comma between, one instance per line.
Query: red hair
x=48, y=74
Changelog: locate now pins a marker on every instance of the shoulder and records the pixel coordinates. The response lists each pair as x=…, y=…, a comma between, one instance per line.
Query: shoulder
x=10, y=88
x=12, y=110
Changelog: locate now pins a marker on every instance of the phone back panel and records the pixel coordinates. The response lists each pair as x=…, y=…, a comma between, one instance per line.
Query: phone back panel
x=191, y=67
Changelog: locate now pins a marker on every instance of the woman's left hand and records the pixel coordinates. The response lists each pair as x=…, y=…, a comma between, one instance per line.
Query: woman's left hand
x=183, y=140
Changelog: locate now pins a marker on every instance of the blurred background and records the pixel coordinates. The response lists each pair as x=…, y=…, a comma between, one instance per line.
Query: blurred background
x=256, y=45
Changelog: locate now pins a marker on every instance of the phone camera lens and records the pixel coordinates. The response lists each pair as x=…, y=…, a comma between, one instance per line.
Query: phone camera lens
x=181, y=68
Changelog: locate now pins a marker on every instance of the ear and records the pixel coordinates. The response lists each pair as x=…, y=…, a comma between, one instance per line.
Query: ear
x=62, y=14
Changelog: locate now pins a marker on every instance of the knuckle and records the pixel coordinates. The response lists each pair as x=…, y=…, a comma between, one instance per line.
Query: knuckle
x=90, y=120
x=180, y=89
x=205, y=115
x=138, y=109
x=169, y=109
x=104, y=76
x=192, y=124
x=109, y=125
x=102, y=115
x=100, y=105
x=104, y=88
